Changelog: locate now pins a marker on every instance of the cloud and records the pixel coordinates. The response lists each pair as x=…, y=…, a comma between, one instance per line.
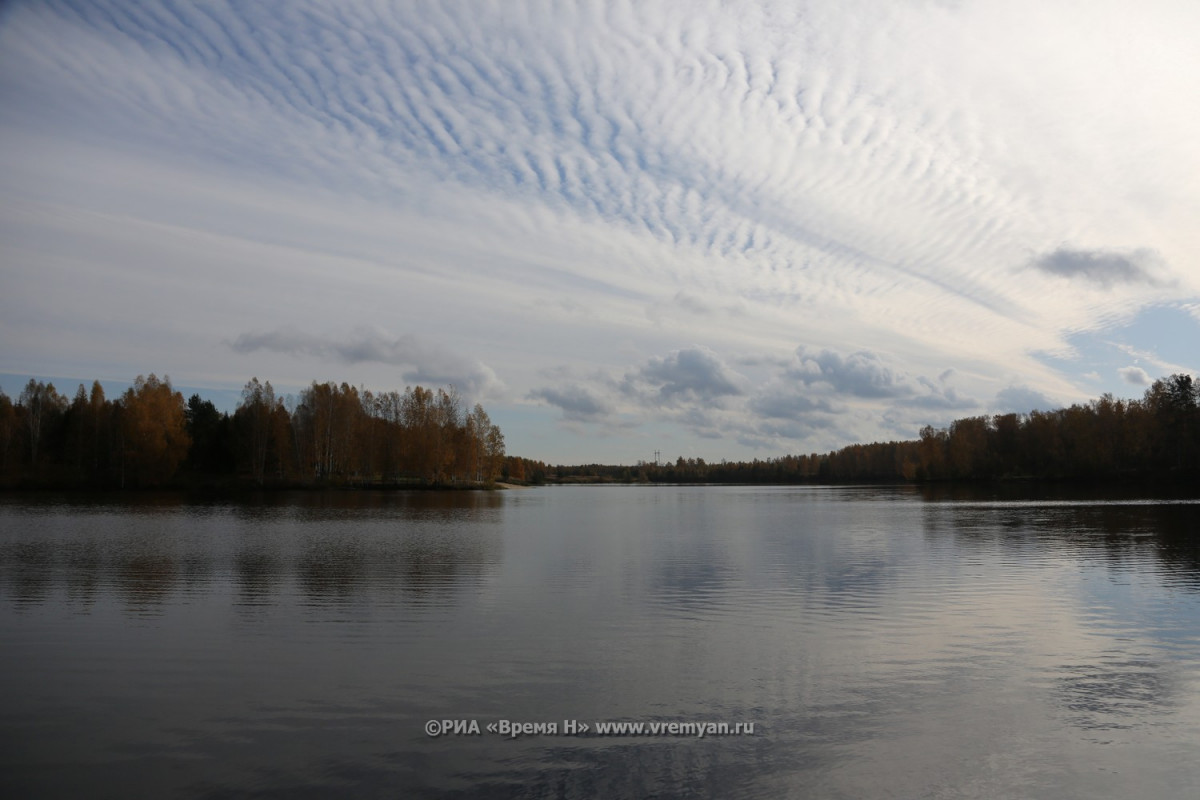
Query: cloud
x=1134, y=375
x=695, y=389
x=578, y=403
x=527, y=184
x=1022, y=400
x=772, y=433
x=861, y=374
x=686, y=305
x=1151, y=357
x=690, y=375
x=427, y=362
x=1103, y=267
x=779, y=403
x=691, y=387
x=941, y=398
x=824, y=392
x=692, y=303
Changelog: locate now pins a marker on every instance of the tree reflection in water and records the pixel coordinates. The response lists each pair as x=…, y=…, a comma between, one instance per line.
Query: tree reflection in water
x=320, y=547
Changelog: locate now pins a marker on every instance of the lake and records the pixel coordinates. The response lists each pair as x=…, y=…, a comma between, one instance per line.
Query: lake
x=881, y=641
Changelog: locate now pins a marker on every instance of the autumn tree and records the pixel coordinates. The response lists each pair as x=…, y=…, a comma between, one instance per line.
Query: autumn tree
x=330, y=432
x=88, y=434
x=253, y=420
x=448, y=432
x=351, y=455
x=483, y=446
x=282, y=455
x=313, y=419
x=43, y=408
x=153, y=431
x=420, y=428
x=8, y=431
x=330, y=426
x=387, y=413
x=493, y=451
x=932, y=450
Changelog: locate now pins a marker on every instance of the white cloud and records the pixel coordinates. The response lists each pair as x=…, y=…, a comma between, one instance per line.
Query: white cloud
x=861, y=374
x=599, y=184
x=687, y=376
x=1022, y=399
x=1149, y=357
x=427, y=362
x=578, y=403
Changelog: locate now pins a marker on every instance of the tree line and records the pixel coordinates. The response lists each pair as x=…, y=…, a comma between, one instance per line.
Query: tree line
x=1107, y=438
x=340, y=434
x=329, y=434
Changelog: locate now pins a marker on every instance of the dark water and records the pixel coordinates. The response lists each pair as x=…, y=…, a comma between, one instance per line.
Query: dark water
x=884, y=644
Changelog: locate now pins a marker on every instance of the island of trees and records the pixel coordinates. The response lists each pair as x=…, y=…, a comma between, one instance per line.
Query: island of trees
x=342, y=435
x=328, y=435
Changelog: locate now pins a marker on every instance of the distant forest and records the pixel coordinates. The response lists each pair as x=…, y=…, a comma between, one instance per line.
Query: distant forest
x=344, y=436
x=328, y=435
x=1157, y=436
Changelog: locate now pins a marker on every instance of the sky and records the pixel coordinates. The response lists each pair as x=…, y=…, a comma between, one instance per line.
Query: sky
x=717, y=230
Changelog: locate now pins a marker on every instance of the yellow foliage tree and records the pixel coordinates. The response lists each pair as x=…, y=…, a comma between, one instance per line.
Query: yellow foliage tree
x=154, y=435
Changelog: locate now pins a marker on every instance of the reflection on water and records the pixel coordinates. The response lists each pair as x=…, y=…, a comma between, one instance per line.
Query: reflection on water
x=328, y=546
x=1116, y=693
x=258, y=572
x=887, y=642
x=1127, y=561
x=1124, y=532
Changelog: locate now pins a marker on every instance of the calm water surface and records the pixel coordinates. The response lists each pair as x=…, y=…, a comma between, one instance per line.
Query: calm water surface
x=883, y=643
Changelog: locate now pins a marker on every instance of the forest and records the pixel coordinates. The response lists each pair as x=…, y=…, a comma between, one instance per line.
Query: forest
x=1105, y=439
x=340, y=435
x=327, y=435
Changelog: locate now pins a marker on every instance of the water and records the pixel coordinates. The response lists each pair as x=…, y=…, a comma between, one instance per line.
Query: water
x=883, y=643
